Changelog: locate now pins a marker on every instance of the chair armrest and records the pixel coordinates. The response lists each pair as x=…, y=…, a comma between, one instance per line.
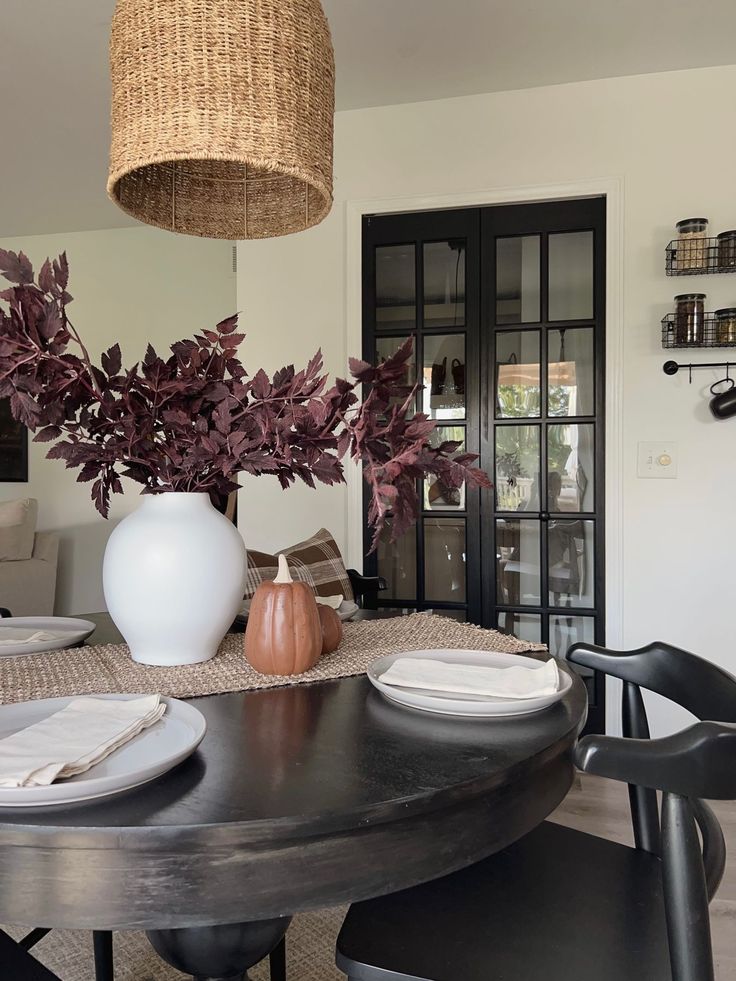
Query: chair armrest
x=714, y=845
x=696, y=762
x=366, y=588
x=46, y=547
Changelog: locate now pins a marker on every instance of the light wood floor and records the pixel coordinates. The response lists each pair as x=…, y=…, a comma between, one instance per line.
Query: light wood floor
x=594, y=805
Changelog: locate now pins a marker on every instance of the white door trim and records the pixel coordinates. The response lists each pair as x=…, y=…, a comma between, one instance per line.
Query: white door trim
x=613, y=189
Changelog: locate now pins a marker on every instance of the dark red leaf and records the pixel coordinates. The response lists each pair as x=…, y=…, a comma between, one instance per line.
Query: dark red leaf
x=46, y=434
x=61, y=272
x=112, y=361
x=16, y=267
x=46, y=277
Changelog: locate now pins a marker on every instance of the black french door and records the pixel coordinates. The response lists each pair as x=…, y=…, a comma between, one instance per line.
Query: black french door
x=421, y=279
x=506, y=306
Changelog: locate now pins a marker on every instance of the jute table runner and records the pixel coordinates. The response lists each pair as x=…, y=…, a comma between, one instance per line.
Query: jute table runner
x=108, y=668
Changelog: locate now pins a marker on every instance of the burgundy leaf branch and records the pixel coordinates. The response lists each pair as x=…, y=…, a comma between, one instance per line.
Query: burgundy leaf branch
x=194, y=420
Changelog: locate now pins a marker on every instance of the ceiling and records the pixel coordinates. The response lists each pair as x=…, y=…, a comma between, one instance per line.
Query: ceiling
x=53, y=74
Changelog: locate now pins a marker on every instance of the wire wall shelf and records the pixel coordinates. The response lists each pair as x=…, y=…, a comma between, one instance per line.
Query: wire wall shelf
x=710, y=332
x=700, y=256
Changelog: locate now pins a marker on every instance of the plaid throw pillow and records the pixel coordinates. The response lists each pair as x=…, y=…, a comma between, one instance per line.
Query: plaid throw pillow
x=316, y=561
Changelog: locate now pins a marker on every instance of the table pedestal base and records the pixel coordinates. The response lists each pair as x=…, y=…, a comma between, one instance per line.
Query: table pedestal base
x=220, y=953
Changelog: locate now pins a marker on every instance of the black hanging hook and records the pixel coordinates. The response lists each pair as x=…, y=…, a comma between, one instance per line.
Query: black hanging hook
x=672, y=367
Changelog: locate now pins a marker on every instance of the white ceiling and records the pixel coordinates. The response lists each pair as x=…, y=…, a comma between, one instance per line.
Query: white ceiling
x=53, y=74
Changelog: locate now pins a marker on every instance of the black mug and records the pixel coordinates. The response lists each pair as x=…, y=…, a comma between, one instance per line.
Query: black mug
x=723, y=404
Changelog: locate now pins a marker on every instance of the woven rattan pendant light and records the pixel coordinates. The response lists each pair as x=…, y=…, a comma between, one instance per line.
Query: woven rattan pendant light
x=222, y=115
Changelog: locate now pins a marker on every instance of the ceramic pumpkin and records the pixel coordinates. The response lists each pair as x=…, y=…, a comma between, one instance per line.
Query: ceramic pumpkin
x=331, y=628
x=283, y=635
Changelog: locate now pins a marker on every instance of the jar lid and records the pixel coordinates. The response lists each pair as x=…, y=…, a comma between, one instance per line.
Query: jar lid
x=726, y=313
x=692, y=221
x=689, y=296
x=729, y=234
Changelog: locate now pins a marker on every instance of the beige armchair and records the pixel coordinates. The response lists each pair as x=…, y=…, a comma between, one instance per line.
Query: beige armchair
x=28, y=586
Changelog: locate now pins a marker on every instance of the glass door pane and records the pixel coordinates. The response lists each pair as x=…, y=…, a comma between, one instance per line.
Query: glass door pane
x=571, y=372
x=397, y=563
x=438, y=496
x=396, y=291
x=571, y=276
x=444, y=376
x=564, y=631
x=444, y=560
x=518, y=374
x=570, y=467
x=444, y=283
x=518, y=279
x=518, y=565
x=517, y=468
x=385, y=347
x=525, y=626
x=570, y=559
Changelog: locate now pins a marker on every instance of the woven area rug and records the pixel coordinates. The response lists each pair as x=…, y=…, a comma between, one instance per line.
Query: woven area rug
x=310, y=948
x=108, y=668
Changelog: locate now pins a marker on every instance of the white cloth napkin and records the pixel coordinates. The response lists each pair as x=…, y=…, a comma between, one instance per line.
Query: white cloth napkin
x=334, y=602
x=24, y=635
x=515, y=681
x=74, y=739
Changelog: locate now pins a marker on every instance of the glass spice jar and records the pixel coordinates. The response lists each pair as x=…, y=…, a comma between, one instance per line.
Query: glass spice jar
x=726, y=325
x=727, y=250
x=690, y=319
x=692, y=247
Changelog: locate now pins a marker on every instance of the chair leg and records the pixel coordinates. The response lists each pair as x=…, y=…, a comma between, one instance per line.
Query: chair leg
x=32, y=938
x=102, y=943
x=277, y=962
x=685, y=891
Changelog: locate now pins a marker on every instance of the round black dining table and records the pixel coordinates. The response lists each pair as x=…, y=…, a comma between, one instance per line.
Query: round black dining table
x=299, y=797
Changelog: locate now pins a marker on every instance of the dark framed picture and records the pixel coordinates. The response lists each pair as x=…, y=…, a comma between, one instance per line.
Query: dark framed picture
x=13, y=446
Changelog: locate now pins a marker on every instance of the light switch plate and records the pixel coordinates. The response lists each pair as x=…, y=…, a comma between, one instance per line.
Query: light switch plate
x=657, y=460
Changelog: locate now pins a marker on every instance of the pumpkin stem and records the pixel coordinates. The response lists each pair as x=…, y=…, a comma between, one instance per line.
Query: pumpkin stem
x=284, y=575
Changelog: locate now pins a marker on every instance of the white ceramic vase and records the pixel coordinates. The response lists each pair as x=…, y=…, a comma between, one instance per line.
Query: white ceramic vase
x=174, y=577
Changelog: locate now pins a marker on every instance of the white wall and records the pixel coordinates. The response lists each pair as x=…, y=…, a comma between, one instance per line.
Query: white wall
x=131, y=285
x=670, y=140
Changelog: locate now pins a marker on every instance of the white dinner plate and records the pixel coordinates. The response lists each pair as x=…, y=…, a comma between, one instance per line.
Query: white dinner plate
x=73, y=631
x=346, y=610
x=471, y=706
x=153, y=752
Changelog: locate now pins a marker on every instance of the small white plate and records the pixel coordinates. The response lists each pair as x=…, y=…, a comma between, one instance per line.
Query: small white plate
x=151, y=753
x=346, y=610
x=471, y=706
x=74, y=631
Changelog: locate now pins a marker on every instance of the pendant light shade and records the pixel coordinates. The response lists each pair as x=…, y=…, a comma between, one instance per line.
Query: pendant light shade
x=222, y=115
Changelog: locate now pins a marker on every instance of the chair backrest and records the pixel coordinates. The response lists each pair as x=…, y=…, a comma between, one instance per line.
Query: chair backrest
x=693, y=764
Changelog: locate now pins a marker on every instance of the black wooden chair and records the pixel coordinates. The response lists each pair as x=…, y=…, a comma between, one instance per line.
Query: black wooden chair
x=366, y=589
x=567, y=906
